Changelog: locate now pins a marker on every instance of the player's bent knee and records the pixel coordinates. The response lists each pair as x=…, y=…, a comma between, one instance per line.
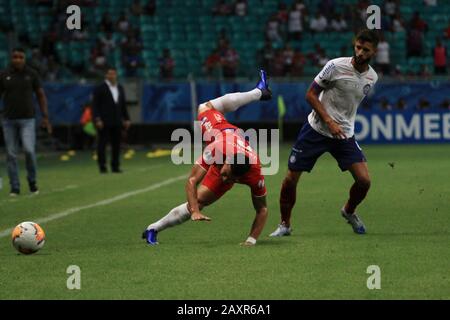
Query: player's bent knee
x=291, y=178
x=364, y=182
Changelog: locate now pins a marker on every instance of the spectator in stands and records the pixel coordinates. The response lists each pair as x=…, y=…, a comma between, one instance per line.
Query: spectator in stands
x=338, y=23
x=423, y=105
x=327, y=7
x=319, y=23
x=390, y=8
x=415, y=43
x=133, y=62
x=106, y=24
x=283, y=14
x=398, y=25
x=150, y=8
x=54, y=71
x=38, y=62
x=430, y=3
x=229, y=61
x=108, y=42
x=123, y=25
x=323, y=59
x=440, y=58
x=221, y=8
x=295, y=22
x=445, y=105
x=385, y=105
x=81, y=35
x=98, y=60
x=273, y=30
x=136, y=8
x=298, y=64
x=212, y=63
x=166, y=65
x=240, y=8
x=288, y=57
x=266, y=55
x=382, y=59
x=278, y=64
x=418, y=23
x=447, y=31
x=424, y=72
x=401, y=105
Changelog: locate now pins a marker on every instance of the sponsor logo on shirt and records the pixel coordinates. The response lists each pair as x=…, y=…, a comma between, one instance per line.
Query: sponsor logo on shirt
x=326, y=71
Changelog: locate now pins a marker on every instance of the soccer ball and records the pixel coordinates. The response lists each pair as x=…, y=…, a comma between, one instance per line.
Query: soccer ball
x=28, y=237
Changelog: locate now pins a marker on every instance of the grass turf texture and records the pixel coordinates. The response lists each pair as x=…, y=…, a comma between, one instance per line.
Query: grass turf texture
x=406, y=214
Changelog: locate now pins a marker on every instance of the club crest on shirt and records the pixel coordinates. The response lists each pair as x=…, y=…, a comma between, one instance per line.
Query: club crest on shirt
x=366, y=89
x=292, y=159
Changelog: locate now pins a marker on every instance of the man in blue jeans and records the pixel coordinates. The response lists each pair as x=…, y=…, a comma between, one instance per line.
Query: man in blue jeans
x=17, y=85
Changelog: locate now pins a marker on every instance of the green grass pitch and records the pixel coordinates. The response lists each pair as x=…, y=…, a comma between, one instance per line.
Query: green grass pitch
x=407, y=214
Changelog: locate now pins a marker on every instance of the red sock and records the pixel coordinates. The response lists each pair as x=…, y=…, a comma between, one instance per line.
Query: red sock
x=287, y=201
x=357, y=194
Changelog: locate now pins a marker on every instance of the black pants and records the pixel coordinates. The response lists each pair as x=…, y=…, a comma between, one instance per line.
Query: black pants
x=112, y=135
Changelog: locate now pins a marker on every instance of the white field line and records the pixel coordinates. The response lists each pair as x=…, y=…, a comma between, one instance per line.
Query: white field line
x=105, y=202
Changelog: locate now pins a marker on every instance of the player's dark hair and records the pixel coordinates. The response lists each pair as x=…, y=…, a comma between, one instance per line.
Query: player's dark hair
x=240, y=165
x=367, y=35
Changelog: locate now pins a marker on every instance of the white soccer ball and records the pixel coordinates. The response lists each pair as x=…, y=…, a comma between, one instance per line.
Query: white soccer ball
x=28, y=237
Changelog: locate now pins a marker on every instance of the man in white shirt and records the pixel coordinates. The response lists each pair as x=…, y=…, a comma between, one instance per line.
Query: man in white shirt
x=319, y=23
x=334, y=96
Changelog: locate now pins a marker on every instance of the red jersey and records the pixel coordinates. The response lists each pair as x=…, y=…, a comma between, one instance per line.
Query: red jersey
x=227, y=143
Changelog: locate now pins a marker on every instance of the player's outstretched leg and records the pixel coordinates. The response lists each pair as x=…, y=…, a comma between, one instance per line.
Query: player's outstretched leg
x=358, y=192
x=176, y=216
x=287, y=201
x=233, y=101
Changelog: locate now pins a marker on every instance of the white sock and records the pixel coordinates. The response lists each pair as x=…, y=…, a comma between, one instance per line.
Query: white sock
x=233, y=101
x=176, y=216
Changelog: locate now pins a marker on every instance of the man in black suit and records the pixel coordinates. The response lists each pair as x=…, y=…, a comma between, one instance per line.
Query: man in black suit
x=110, y=116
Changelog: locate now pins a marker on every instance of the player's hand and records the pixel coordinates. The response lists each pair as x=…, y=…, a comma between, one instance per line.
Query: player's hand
x=126, y=124
x=198, y=216
x=45, y=123
x=247, y=244
x=99, y=124
x=335, y=129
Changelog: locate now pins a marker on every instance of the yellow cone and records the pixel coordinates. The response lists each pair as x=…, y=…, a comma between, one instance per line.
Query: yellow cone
x=64, y=157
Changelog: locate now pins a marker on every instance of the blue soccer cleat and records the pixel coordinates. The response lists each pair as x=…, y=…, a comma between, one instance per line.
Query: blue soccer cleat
x=150, y=237
x=355, y=221
x=263, y=85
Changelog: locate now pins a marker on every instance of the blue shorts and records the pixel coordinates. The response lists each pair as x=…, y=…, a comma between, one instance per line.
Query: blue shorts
x=310, y=145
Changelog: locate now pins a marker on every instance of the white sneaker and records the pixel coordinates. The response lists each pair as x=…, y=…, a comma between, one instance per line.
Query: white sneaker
x=354, y=221
x=281, y=231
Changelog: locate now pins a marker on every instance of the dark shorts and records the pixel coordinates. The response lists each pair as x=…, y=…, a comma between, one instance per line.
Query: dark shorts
x=310, y=145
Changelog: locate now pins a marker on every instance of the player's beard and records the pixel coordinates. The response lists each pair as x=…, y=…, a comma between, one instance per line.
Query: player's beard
x=360, y=62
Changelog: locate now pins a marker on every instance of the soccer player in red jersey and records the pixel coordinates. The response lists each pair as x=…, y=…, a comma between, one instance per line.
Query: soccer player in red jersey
x=226, y=160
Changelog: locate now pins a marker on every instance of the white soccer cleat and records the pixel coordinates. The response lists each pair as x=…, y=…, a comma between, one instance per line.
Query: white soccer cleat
x=281, y=231
x=354, y=220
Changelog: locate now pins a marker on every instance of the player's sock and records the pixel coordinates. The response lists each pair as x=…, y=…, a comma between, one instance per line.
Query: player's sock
x=233, y=101
x=287, y=201
x=357, y=194
x=176, y=216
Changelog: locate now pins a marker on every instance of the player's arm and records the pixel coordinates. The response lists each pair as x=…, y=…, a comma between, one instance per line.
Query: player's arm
x=312, y=96
x=196, y=176
x=260, y=205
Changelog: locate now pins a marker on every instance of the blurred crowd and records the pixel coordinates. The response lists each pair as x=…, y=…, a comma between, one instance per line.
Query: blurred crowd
x=288, y=25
